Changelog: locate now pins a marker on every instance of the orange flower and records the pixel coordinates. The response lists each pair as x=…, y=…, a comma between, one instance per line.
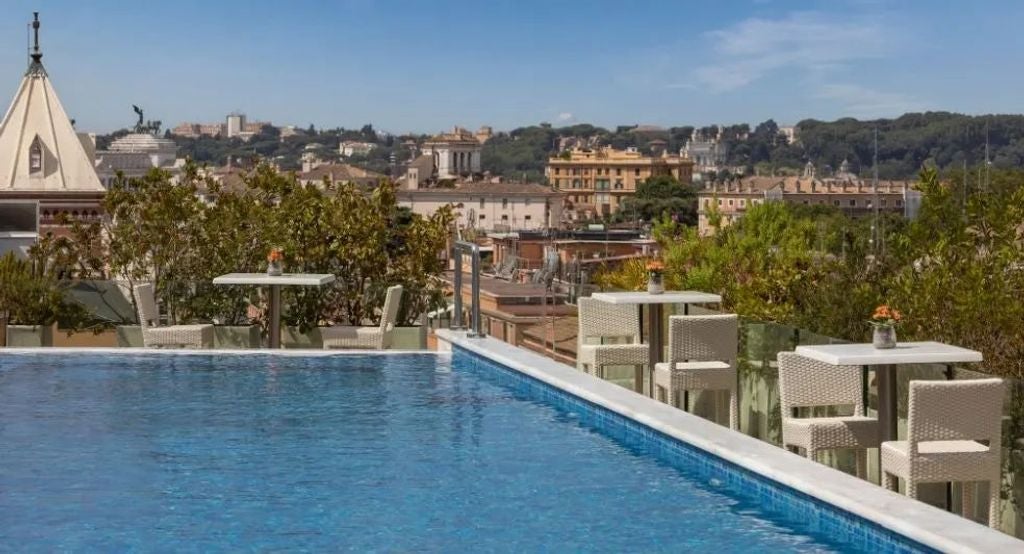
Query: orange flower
x=655, y=265
x=886, y=315
x=275, y=255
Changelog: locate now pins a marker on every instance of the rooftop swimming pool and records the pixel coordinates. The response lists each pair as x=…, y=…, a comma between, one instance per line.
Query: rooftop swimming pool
x=404, y=452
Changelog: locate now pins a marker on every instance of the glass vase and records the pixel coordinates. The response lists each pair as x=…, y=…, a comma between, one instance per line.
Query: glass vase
x=274, y=269
x=884, y=337
x=654, y=283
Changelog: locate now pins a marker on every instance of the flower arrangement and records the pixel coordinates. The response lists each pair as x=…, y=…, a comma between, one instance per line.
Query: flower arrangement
x=274, y=258
x=884, y=321
x=655, y=266
x=885, y=316
x=655, y=272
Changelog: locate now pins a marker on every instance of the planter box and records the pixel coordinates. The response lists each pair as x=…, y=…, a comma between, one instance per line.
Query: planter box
x=237, y=336
x=29, y=336
x=409, y=338
x=292, y=338
x=129, y=336
x=106, y=338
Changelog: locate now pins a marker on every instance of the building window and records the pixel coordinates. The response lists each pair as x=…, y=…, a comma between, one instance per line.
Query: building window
x=706, y=202
x=618, y=185
x=482, y=217
x=899, y=202
x=730, y=201
x=526, y=202
x=618, y=171
x=719, y=202
x=504, y=202
x=853, y=203
x=35, y=156
x=743, y=202
x=575, y=183
x=636, y=172
x=882, y=202
x=483, y=203
x=835, y=203
x=556, y=171
x=504, y=217
x=527, y=218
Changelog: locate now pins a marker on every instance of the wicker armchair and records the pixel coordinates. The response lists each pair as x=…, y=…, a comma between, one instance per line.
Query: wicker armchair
x=375, y=338
x=601, y=320
x=807, y=383
x=954, y=434
x=155, y=335
x=702, y=356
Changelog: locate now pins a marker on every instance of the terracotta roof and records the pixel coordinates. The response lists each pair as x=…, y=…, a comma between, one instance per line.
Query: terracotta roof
x=484, y=189
x=799, y=185
x=341, y=172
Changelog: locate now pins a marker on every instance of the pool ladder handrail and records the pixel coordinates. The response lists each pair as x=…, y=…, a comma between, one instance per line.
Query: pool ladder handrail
x=458, y=250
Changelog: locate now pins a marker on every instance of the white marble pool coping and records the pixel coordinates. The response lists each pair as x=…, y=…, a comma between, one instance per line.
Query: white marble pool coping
x=915, y=520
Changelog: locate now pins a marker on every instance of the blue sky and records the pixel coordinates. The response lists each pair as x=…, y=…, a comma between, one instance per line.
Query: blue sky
x=424, y=66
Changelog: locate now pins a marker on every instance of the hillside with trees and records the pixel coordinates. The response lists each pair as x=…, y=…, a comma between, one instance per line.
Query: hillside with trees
x=905, y=144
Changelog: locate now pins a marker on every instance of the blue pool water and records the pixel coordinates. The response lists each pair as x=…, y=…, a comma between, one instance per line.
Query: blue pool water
x=360, y=453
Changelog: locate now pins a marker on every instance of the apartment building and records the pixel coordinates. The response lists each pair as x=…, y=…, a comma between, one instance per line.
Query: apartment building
x=595, y=181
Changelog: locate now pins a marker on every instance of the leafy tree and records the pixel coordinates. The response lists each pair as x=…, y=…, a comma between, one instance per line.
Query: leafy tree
x=815, y=268
x=657, y=196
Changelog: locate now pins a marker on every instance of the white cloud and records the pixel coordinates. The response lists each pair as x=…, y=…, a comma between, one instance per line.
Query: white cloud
x=802, y=43
x=858, y=101
x=565, y=117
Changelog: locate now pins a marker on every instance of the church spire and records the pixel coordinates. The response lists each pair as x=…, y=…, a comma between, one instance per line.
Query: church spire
x=36, y=67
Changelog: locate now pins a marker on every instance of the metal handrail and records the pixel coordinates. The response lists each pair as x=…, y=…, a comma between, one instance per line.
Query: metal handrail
x=460, y=248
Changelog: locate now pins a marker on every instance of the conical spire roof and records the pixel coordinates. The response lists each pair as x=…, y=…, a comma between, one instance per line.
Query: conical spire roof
x=39, y=149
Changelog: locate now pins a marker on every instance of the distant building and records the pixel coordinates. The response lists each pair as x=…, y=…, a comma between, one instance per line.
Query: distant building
x=595, y=181
x=845, y=191
x=234, y=124
x=46, y=168
x=196, y=130
x=455, y=154
x=788, y=131
x=489, y=206
x=349, y=148
x=707, y=151
x=484, y=134
x=135, y=154
x=341, y=173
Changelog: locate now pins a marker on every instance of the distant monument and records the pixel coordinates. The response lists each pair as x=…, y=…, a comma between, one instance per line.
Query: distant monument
x=149, y=127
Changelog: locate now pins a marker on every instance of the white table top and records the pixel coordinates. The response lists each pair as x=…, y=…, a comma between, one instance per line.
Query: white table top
x=905, y=353
x=293, y=279
x=667, y=297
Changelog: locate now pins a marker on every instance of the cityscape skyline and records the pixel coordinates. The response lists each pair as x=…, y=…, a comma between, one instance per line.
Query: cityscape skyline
x=509, y=64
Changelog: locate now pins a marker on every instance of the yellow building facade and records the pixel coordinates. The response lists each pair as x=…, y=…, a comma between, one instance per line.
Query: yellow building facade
x=595, y=181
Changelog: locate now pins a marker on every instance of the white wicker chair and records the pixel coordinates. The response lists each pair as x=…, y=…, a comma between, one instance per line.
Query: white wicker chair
x=154, y=335
x=601, y=320
x=807, y=383
x=375, y=338
x=954, y=434
x=702, y=356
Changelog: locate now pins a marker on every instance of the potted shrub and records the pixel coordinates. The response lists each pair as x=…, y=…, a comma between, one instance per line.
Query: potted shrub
x=33, y=301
